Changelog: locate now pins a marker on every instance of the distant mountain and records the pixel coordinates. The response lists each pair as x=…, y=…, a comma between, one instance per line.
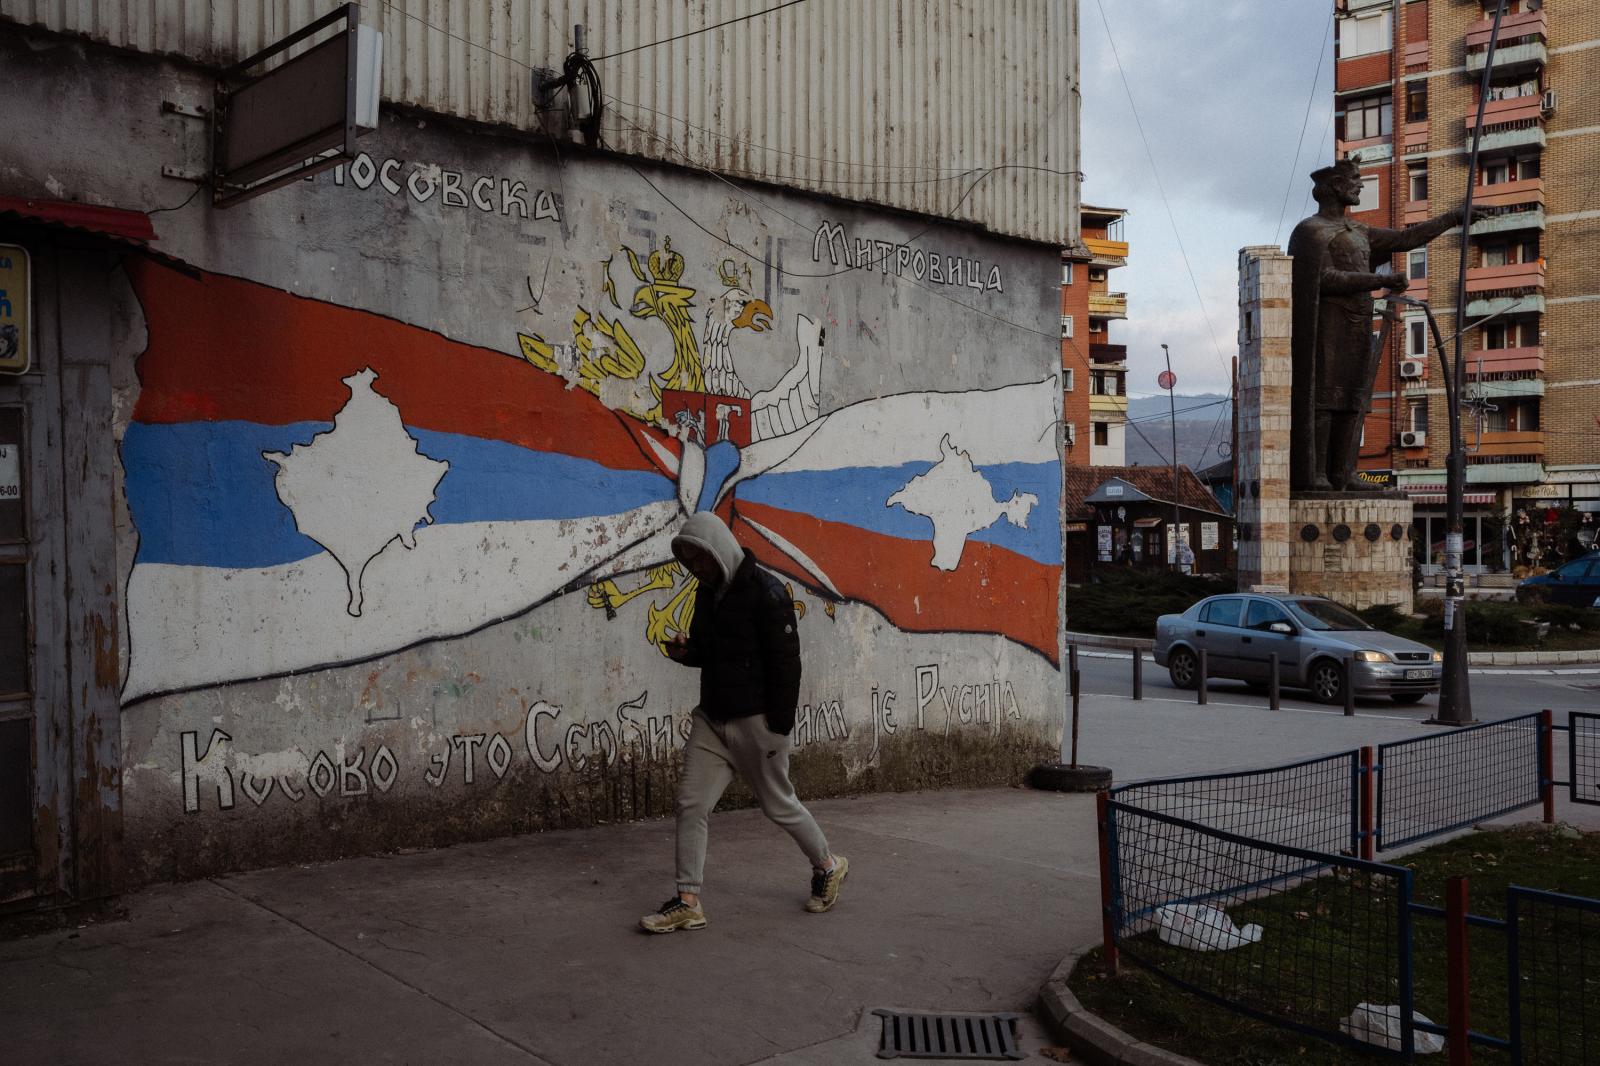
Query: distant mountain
x=1205, y=430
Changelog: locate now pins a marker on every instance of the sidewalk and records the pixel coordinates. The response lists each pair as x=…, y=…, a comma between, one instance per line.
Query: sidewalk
x=524, y=950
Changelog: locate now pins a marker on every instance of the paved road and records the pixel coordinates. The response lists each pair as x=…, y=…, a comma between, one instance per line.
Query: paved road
x=1496, y=692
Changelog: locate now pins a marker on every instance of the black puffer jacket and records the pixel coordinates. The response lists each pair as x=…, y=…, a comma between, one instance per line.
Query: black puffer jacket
x=747, y=646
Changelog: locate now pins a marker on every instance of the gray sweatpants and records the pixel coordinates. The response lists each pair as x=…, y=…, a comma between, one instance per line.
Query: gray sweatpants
x=714, y=752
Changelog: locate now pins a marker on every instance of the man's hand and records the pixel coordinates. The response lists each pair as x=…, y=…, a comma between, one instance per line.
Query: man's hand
x=677, y=647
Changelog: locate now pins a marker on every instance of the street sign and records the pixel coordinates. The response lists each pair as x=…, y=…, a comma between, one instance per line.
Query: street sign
x=1167, y=379
x=15, y=302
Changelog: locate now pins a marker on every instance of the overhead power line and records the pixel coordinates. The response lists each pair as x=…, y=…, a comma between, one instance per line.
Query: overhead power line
x=697, y=32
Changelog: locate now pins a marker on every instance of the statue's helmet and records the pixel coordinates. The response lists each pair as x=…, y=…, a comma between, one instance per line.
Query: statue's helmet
x=1341, y=168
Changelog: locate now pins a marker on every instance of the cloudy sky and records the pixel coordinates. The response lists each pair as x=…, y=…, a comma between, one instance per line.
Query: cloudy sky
x=1223, y=100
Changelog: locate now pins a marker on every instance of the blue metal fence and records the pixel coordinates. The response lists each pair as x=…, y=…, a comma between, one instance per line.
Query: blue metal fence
x=1583, y=756
x=1553, y=972
x=1437, y=784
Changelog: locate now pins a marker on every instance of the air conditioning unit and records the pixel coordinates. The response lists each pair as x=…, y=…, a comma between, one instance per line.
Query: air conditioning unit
x=1548, y=104
x=1413, y=368
x=1414, y=438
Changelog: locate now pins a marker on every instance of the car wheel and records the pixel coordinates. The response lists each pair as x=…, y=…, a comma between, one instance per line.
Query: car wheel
x=1327, y=682
x=1407, y=697
x=1183, y=668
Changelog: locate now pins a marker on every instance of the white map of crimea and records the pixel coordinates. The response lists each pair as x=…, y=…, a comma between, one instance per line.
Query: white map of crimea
x=959, y=501
x=360, y=486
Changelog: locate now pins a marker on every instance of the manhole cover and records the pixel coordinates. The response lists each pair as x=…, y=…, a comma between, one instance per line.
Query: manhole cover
x=948, y=1036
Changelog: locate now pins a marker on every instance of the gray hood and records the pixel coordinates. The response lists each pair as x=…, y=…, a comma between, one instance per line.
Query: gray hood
x=708, y=533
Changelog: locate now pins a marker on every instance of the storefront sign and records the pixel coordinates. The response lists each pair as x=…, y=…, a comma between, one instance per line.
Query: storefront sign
x=10, y=473
x=15, y=304
x=1376, y=479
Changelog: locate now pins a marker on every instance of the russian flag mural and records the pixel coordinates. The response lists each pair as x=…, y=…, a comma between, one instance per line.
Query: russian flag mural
x=313, y=485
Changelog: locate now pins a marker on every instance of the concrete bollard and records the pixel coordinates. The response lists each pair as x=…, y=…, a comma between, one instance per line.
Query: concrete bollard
x=1349, y=686
x=1200, y=689
x=1273, y=697
x=1138, y=674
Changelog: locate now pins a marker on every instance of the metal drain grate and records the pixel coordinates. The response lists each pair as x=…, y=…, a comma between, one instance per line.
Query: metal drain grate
x=948, y=1036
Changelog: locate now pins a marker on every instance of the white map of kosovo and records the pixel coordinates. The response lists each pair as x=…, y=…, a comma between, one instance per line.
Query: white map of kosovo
x=959, y=501
x=362, y=485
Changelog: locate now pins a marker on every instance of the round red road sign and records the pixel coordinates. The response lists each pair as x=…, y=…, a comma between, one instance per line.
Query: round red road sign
x=1166, y=379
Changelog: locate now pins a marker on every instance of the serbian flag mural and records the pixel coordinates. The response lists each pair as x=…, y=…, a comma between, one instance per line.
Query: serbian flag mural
x=313, y=485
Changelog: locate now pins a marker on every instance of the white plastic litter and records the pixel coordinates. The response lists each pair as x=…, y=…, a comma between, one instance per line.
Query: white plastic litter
x=1372, y=1024
x=1189, y=925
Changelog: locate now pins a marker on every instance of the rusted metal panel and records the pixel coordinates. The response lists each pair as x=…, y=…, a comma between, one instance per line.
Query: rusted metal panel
x=88, y=456
x=965, y=108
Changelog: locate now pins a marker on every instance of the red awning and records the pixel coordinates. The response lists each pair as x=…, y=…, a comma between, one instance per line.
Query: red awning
x=1441, y=499
x=129, y=227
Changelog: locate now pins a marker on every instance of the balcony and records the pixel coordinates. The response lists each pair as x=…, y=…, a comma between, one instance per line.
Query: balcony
x=1530, y=304
x=1505, y=361
x=1521, y=43
x=1512, y=109
x=1108, y=304
x=1528, y=192
x=1366, y=153
x=1529, y=473
x=1509, y=442
x=1362, y=71
x=1109, y=408
x=1511, y=389
x=1108, y=353
x=1510, y=138
x=1510, y=222
x=1511, y=278
x=1107, y=253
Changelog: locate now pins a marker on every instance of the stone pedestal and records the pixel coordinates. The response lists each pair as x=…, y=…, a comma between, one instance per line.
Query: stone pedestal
x=1353, y=548
x=1356, y=550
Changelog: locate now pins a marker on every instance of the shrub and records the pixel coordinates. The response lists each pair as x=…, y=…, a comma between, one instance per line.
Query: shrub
x=1487, y=623
x=1128, y=602
x=1565, y=616
x=1385, y=616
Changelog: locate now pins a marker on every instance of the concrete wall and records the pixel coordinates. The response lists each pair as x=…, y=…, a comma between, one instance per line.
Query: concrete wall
x=401, y=451
x=1265, y=380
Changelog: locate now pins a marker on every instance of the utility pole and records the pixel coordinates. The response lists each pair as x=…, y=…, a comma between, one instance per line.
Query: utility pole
x=1169, y=382
x=1455, y=692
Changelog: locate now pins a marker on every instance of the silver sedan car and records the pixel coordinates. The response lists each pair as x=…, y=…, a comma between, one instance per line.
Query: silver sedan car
x=1314, y=639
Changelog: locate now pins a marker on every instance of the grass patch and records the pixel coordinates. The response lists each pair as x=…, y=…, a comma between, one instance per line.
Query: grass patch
x=1305, y=925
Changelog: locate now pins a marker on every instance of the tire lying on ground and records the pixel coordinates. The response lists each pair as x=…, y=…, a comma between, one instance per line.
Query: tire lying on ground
x=1060, y=777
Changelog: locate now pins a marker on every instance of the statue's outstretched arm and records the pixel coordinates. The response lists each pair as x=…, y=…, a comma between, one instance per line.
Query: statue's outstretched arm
x=1385, y=241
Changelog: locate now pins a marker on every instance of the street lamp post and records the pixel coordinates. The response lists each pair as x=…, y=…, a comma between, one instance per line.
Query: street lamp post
x=1169, y=382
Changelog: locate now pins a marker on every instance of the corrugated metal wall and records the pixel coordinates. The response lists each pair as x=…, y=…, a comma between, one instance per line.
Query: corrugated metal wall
x=901, y=102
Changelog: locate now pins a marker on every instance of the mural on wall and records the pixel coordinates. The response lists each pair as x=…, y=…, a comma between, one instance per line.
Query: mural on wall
x=315, y=485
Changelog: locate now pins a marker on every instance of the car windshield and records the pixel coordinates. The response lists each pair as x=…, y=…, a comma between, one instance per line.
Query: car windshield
x=1324, y=615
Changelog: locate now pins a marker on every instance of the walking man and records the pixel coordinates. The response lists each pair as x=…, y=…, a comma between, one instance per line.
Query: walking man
x=743, y=639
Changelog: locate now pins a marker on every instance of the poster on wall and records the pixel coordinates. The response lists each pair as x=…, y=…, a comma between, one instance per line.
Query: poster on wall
x=1208, y=536
x=1105, y=544
x=14, y=304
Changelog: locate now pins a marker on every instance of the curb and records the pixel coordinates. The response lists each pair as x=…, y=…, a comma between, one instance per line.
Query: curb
x=1091, y=1036
x=1099, y=640
x=1580, y=657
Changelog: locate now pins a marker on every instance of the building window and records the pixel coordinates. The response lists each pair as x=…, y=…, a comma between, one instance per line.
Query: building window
x=1097, y=382
x=1511, y=333
x=1495, y=172
x=1102, y=434
x=1097, y=325
x=1515, y=88
x=1416, y=338
x=1417, y=416
x=1066, y=273
x=1511, y=254
x=1370, y=193
x=1417, y=102
x=1417, y=264
x=1366, y=117
x=1066, y=326
x=1071, y=379
x=1365, y=34
x=1417, y=183
x=1097, y=274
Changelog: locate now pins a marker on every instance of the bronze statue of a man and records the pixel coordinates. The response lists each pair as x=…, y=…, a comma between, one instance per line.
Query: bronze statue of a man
x=1335, y=358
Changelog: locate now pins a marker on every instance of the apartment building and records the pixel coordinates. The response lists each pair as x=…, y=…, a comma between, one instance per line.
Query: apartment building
x=1094, y=371
x=1408, y=83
